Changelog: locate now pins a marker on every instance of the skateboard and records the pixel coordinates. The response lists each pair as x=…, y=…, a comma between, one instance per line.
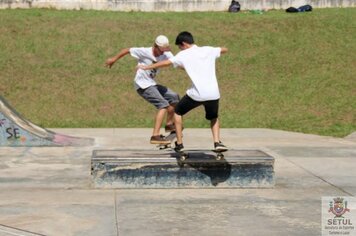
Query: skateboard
x=183, y=156
x=171, y=136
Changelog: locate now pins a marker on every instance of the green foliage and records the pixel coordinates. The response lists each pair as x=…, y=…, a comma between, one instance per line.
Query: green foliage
x=283, y=71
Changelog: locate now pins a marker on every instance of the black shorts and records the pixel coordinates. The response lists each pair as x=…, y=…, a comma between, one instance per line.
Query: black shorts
x=186, y=104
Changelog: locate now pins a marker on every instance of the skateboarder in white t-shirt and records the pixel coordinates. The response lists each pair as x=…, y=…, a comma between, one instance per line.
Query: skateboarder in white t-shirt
x=199, y=63
x=163, y=98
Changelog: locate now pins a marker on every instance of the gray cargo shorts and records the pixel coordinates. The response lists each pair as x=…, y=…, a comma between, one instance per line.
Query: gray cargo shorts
x=159, y=96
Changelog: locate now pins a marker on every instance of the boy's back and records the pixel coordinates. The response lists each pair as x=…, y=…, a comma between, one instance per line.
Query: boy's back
x=199, y=63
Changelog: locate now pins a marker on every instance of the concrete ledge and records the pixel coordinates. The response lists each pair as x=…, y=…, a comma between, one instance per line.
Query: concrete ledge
x=160, y=169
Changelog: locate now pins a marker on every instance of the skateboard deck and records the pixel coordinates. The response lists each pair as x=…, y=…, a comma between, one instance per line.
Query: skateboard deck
x=184, y=155
x=171, y=136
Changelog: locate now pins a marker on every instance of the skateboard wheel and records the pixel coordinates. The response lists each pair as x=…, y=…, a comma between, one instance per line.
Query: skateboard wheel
x=180, y=164
x=219, y=157
x=183, y=156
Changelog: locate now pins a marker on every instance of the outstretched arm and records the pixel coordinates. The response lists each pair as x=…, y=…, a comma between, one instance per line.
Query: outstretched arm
x=109, y=62
x=155, y=65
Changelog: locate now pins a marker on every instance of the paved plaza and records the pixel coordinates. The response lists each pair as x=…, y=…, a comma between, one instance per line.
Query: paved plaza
x=49, y=190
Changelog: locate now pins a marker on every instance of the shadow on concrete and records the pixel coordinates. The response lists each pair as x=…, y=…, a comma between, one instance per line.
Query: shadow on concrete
x=218, y=170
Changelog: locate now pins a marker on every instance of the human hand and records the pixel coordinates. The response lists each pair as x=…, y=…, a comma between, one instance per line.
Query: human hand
x=109, y=62
x=142, y=67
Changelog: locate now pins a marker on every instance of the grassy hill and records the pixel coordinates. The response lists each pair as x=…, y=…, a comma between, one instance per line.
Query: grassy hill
x=284, y=71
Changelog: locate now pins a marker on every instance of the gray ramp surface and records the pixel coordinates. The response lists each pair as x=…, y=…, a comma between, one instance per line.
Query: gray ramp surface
x=17, y=131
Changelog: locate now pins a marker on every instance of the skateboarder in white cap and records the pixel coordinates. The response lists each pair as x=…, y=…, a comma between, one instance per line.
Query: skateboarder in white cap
x=163, y=98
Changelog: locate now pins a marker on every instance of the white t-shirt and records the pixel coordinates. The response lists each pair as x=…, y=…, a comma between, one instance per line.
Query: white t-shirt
x=144, y=56
x=199, y=63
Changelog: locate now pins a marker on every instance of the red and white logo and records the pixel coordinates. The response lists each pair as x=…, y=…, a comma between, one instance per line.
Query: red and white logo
x=338, y=207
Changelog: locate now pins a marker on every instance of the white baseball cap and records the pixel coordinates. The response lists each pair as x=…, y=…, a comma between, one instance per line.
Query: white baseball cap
x=162, y=42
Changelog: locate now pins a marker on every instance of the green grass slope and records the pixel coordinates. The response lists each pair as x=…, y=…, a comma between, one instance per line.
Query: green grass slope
x=283, y=71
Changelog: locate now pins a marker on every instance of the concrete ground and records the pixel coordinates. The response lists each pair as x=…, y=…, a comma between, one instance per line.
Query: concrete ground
x=48, y=190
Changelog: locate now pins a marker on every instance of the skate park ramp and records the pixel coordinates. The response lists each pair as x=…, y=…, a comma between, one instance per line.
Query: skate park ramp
x=17, y=131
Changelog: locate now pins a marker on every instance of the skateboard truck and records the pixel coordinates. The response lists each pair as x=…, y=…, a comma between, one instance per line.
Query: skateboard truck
x=219, y=154
x=164, y=146
x=182, y=157
x=170, y=137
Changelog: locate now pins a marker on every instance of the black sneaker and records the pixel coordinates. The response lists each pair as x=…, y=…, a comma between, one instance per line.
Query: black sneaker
x=179, y=147
x=219, y=146
x=159, y=139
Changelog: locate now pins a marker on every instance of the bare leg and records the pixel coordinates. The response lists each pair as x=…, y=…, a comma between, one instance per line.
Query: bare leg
x=178, y=120
x=158, y=121
x=215, y=129
x=170, y=114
